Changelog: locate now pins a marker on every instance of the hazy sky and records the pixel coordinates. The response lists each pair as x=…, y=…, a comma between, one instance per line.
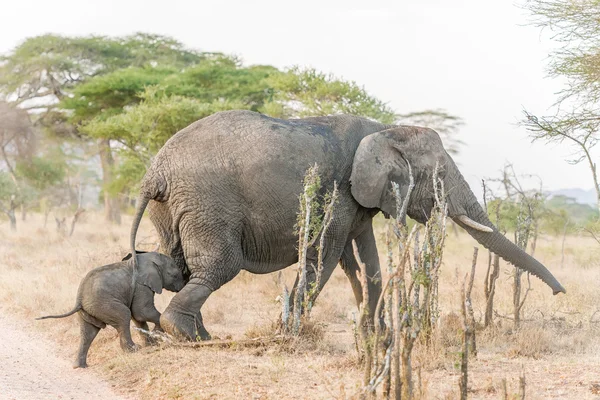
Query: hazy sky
x=474, y=58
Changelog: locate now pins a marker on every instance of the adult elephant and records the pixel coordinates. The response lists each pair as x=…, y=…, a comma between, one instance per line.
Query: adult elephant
x=223, y=196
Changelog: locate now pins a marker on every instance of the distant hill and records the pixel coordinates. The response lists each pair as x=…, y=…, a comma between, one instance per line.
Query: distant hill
x=581, y=196
x=578, y=213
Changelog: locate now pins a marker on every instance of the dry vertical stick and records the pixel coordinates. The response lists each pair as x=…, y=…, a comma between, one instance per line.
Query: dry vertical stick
x=522, y=385
x=396, y=328
x=327, y=218
x=490, y=288
x=469, y=304
x=464, y=367
x=364, y=310
x=311, y=180
x=504, y=389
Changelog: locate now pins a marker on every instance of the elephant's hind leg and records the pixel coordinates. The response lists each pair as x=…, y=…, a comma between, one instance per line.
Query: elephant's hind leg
x=88, y=333
x=120, y=320
x=211, y=266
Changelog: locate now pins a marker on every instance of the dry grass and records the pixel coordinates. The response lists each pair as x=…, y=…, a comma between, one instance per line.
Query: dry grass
x=557, y=347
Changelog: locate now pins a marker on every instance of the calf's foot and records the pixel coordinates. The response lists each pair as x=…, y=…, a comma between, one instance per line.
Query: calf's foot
x=79, y=364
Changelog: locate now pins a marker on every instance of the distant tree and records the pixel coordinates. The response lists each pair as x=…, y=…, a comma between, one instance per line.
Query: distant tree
x=17, y=145
x=574, y=25
x=8, y=198
x=17, y=138
x=44, y=73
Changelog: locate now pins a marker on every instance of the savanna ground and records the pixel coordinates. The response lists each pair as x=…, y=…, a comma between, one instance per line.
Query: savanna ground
x=557, y=348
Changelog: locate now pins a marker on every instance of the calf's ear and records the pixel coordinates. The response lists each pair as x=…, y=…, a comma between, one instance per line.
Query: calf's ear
x=128, y=256
x=149, y=276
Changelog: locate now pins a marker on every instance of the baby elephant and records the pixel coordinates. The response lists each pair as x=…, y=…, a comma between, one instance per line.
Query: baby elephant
x=106, y=296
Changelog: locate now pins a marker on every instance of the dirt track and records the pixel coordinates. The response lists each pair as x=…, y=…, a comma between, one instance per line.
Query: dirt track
x=31, y=369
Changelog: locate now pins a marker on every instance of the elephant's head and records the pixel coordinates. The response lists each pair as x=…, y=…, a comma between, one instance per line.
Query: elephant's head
x=383, y=157
x=158, y=271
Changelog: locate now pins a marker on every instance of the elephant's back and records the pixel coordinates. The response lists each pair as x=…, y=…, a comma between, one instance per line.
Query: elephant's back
x=244, y=129
x=242, y=143
x=104, y=283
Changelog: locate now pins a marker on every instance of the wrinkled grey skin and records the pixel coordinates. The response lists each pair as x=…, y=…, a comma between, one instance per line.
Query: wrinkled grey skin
x=105, y=296
x=223, y=196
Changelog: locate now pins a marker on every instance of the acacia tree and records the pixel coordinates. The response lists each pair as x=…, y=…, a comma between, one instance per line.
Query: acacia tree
x=25, y=169
x=574, y=26
x=304, y=92
x=218, y=85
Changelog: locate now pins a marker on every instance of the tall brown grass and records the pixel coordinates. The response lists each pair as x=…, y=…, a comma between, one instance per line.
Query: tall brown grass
x=557, y=346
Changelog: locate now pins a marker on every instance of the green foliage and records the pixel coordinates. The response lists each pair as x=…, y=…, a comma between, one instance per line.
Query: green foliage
x=8, y=188
x=106, y=95
x=574, y=24
x=310, y=205
x=52, y=65
x=567, y=208
x=554, y=216
x=42, y=172
x=307, y=92
x=224, y=79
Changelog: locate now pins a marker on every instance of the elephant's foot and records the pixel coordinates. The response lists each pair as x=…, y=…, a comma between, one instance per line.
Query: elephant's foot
x=184, y=326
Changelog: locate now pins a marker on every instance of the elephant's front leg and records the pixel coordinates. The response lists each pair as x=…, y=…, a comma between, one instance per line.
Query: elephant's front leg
x=367, y=251
x=143, y=311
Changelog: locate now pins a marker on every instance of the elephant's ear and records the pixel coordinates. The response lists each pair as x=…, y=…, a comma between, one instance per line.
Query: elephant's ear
x=377, y=162
x=148, y=274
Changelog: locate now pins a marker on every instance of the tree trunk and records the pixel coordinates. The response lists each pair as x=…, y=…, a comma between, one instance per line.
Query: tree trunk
x=10, y=212
x=112, y=212
x=562, y=247
x=13, y=220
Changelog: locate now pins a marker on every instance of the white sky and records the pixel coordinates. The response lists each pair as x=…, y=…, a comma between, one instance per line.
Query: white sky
x=474, y=58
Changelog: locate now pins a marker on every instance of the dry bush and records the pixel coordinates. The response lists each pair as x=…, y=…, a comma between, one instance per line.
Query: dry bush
x=531, y=342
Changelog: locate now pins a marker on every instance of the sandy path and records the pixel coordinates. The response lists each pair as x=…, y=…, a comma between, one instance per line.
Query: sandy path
x=31, y=369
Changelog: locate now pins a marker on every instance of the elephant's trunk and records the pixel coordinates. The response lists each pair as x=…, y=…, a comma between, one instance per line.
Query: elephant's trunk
x=495, y=241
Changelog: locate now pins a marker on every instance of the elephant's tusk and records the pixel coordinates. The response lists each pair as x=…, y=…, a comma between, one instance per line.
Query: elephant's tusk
x=475, y=225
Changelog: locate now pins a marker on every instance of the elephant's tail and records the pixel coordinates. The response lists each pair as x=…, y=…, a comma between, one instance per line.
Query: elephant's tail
x=73, y=311
x=154, y=187
x=141, y=207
